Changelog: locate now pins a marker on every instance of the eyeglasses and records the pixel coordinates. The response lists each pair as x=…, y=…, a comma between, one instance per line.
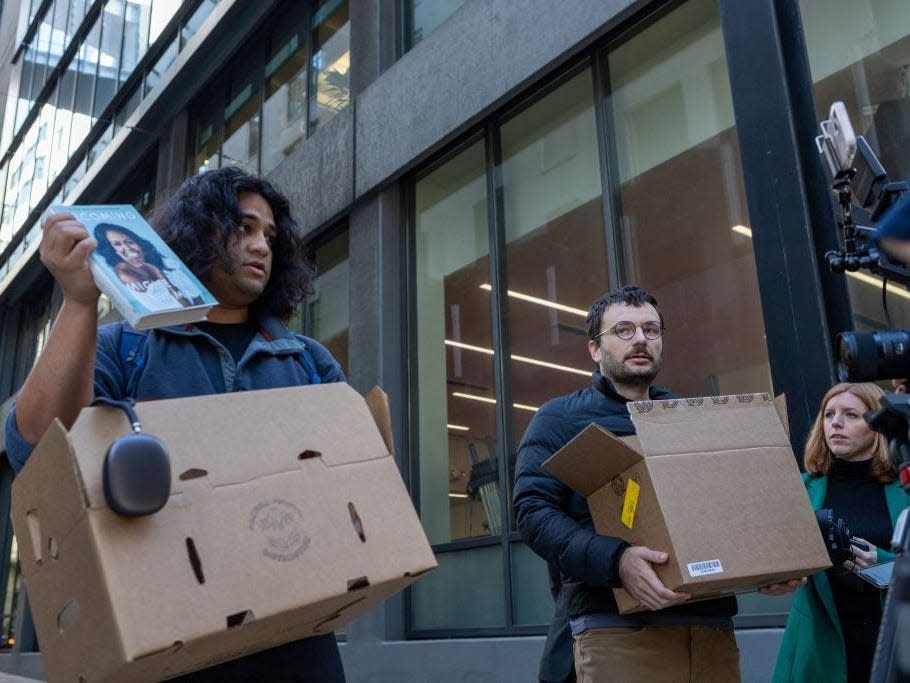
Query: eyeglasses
x=625, y=330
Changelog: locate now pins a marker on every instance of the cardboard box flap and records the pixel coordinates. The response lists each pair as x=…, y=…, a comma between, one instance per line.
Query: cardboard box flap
x=41, y=527
x=780, y=402
x=591, y=459
x=228, y=439
x=696, y=425
x=378, y=403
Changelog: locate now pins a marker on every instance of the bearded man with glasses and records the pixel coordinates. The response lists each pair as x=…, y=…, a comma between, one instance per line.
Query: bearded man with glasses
x=672, y=640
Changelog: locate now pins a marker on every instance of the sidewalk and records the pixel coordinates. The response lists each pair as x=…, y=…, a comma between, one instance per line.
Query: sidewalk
x=10, y=678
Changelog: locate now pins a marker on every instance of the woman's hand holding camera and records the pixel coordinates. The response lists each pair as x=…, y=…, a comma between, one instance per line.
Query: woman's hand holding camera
x=864, y=554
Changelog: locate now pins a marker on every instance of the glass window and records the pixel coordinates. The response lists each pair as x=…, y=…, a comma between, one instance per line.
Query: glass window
x=66, y=90
x=684, y=223
x=465, y=591
x=159, y=67
x=74, y=18
x=43, y=150
x=459, y=482
x=162, y=12
x=137, y=15
x=109, y=59
x=85, y=86
x=194, y=23
x=242, y=118
x=859, y=53
x=12, y=103
x=57, y=40
x=556, y=263
x=329, y=308
x=423, y=16
x=330, y=89
x=6, y=232
x=42, y=48
x=25, y=101
x=126, y=108
x=207, y=132
x=284, y=109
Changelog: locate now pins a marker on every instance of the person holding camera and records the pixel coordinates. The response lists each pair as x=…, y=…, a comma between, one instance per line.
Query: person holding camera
x=833, y=624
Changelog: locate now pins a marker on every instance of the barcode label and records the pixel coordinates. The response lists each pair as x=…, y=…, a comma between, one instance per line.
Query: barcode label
x=705, y=568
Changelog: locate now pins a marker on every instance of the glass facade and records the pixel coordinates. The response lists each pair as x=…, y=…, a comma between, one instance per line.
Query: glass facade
x=293, y=79
x=569, y=231
x=859, y=53
x=59, y=113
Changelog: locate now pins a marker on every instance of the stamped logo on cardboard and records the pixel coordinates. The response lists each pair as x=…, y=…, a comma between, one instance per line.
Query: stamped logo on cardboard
x=279, y=522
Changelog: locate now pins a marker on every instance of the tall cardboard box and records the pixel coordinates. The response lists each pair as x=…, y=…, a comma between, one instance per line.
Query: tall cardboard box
x=287, y=517
x=712, y=481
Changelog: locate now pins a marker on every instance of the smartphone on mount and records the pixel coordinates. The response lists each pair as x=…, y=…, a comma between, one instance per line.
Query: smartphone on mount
x=837, y=143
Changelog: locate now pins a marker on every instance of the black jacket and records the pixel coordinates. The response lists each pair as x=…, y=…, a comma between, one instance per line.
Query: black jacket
x=556, y=522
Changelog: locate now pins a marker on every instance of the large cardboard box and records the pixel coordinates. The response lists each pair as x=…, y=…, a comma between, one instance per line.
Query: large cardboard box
x=712, y=481
x=287, y=517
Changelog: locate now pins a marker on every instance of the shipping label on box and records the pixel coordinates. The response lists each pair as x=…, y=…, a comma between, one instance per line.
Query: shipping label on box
x=287, y=517
x=712, y=481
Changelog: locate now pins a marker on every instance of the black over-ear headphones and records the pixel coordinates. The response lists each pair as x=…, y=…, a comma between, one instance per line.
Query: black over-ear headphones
x=136, y=469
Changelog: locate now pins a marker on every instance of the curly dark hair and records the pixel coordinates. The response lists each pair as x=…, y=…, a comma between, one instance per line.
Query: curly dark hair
x=629, y=294
x=149, y=251
x=200, y=219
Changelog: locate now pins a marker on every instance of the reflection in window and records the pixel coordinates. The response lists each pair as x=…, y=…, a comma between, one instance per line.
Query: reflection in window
x=241, y=122
x=459, y=490
x=556, y=262
x=860, y=55
x=284, y=93
x=135, y=35
x=331, y=62
x=284, y=109
x=107, y=82
x=208, y=138
x=328, y=308
x=684, y=224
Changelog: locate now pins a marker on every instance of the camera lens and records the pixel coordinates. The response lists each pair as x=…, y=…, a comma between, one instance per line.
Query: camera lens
x=870, y=356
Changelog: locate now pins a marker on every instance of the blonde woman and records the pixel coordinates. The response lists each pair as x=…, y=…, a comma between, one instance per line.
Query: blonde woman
x=833, y=624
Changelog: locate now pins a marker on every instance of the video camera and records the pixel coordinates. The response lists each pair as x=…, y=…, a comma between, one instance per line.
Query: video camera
x=861, y=183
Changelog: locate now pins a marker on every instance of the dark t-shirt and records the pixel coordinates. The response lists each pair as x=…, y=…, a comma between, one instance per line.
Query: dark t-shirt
x=235, y=337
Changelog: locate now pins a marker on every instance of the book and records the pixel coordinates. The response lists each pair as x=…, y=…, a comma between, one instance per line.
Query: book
x=140, y=274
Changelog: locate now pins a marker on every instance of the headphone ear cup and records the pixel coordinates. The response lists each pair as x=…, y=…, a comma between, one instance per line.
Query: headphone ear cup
x=136, y=475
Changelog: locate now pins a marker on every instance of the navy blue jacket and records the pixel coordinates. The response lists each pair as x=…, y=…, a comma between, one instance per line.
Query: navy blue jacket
x=183, y=361
x=556, y=523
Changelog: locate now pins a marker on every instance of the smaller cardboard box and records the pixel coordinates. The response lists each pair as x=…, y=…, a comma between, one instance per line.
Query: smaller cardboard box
x=712, y=481
x=287, y=517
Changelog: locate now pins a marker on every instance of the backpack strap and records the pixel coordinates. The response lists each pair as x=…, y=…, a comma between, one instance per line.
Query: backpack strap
x=309, y=365
x=131, y=353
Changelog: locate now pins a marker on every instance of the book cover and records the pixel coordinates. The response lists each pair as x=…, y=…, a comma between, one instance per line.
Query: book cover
x=144, y=279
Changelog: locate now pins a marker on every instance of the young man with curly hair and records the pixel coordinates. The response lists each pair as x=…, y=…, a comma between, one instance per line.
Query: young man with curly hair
x=236, y=233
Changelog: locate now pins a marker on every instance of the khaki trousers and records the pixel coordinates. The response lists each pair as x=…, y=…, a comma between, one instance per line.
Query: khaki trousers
x=658, y=654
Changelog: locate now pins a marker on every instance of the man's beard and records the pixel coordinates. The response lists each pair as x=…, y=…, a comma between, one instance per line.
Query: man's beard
x=619, y=373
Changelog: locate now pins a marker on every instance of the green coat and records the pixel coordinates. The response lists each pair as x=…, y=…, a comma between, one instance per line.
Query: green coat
x=813, y=645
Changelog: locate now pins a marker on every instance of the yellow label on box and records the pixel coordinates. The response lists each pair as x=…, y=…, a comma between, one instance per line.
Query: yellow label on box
x=630, y=504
